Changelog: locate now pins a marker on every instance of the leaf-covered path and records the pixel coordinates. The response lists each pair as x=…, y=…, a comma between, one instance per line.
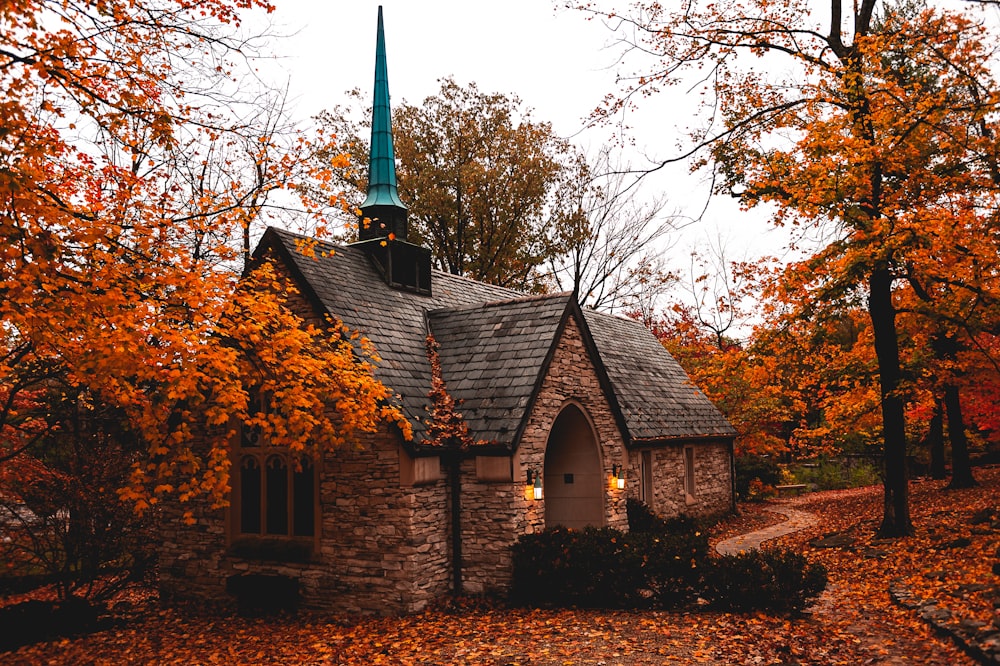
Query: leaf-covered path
x=795, y=520
x=855, y=622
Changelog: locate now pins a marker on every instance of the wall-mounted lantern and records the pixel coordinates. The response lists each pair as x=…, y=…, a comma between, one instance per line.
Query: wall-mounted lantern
x=618, y=476
x=534, y=482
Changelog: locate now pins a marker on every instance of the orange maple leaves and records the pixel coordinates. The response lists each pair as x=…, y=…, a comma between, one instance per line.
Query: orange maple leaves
x=855, y=621
x=119, y=208
x=881, y=141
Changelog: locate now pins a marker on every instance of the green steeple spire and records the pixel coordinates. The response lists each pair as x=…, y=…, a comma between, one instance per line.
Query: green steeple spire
x=382, y=204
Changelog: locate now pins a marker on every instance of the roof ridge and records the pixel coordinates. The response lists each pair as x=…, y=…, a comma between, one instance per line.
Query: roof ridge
x=348, y=246
x=614, y=316
x=527, y=298
x=468, y=279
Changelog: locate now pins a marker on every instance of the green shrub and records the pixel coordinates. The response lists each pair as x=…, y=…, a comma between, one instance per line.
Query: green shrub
x=760, y=468
x=593, y=567
x=673, y=567
x=657, y=562
x=662, y=563
x=838, y=475
x=864, y=474
x=769, y=579
x=641, y=519
x=674, y=553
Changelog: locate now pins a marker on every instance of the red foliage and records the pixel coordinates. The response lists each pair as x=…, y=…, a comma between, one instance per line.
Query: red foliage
x=446, y=427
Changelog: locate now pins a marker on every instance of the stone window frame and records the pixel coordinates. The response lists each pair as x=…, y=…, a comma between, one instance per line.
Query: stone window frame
x=647, y=478
x=299, y=538
x=690, y=480
x=279, y=481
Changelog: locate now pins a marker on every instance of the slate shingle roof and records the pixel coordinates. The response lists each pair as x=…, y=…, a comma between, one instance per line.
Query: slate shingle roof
x=491, y=355
x=657, y=399
x=347, y=286
x=492, y=345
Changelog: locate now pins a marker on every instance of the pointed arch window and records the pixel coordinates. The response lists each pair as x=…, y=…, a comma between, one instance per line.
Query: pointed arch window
x=250, y=496
x=275, y=493
x=276, y=506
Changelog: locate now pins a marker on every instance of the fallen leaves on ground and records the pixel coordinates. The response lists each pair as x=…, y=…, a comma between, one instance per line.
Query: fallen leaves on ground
x=854, y=622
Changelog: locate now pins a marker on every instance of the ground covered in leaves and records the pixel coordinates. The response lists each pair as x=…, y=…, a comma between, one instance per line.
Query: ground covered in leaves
x=950, y=560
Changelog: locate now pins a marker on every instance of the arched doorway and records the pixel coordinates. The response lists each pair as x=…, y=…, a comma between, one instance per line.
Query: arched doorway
x=574, y=483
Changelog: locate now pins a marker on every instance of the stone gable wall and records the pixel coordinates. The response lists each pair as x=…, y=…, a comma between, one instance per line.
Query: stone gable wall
x=495, y=514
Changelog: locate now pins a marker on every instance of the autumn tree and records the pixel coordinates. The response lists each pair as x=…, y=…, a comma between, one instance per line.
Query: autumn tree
x=739, y=382
x=62, y=518
x=947, y=390
x=826, y=368
x=606, y=244
x=708, y=332
x=792, y=387
x=878, y=127
x=119, y=202
x=478, y=174
x=982, y=385
x=241, y=170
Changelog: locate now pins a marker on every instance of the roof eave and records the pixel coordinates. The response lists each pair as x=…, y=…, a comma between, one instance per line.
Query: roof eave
x=641, y=442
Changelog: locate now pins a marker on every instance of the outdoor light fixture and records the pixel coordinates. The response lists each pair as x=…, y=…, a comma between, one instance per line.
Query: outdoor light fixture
x=618, y=474
x=534, y=481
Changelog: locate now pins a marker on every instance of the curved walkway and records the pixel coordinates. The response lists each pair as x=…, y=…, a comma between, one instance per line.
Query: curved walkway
x=796, y=520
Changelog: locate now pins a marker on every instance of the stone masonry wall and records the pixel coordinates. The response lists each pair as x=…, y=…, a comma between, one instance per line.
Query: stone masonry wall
x=191, y=556
x=713, y=479
x=385, y=546
x=495, y=514
x=381, y=548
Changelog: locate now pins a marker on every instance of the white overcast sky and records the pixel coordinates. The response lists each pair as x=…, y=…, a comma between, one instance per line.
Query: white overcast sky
x=558, y=63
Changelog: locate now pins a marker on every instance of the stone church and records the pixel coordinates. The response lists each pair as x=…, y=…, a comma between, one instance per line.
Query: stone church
x=574, y=411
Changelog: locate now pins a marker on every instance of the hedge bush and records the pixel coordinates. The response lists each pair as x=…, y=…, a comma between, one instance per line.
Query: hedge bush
x=642, y=519
x=768, y=579
x=657, y=562
x=675, y=552
x=34, y=620
x=662, y=563
x=673, y=568
x=593, y=568
x=760, y=468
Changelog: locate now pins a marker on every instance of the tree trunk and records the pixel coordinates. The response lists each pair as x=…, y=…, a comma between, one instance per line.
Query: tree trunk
x=246, y=248
x=946, y=349
x=896, y=515
x=961, y=469
x=935, y=442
